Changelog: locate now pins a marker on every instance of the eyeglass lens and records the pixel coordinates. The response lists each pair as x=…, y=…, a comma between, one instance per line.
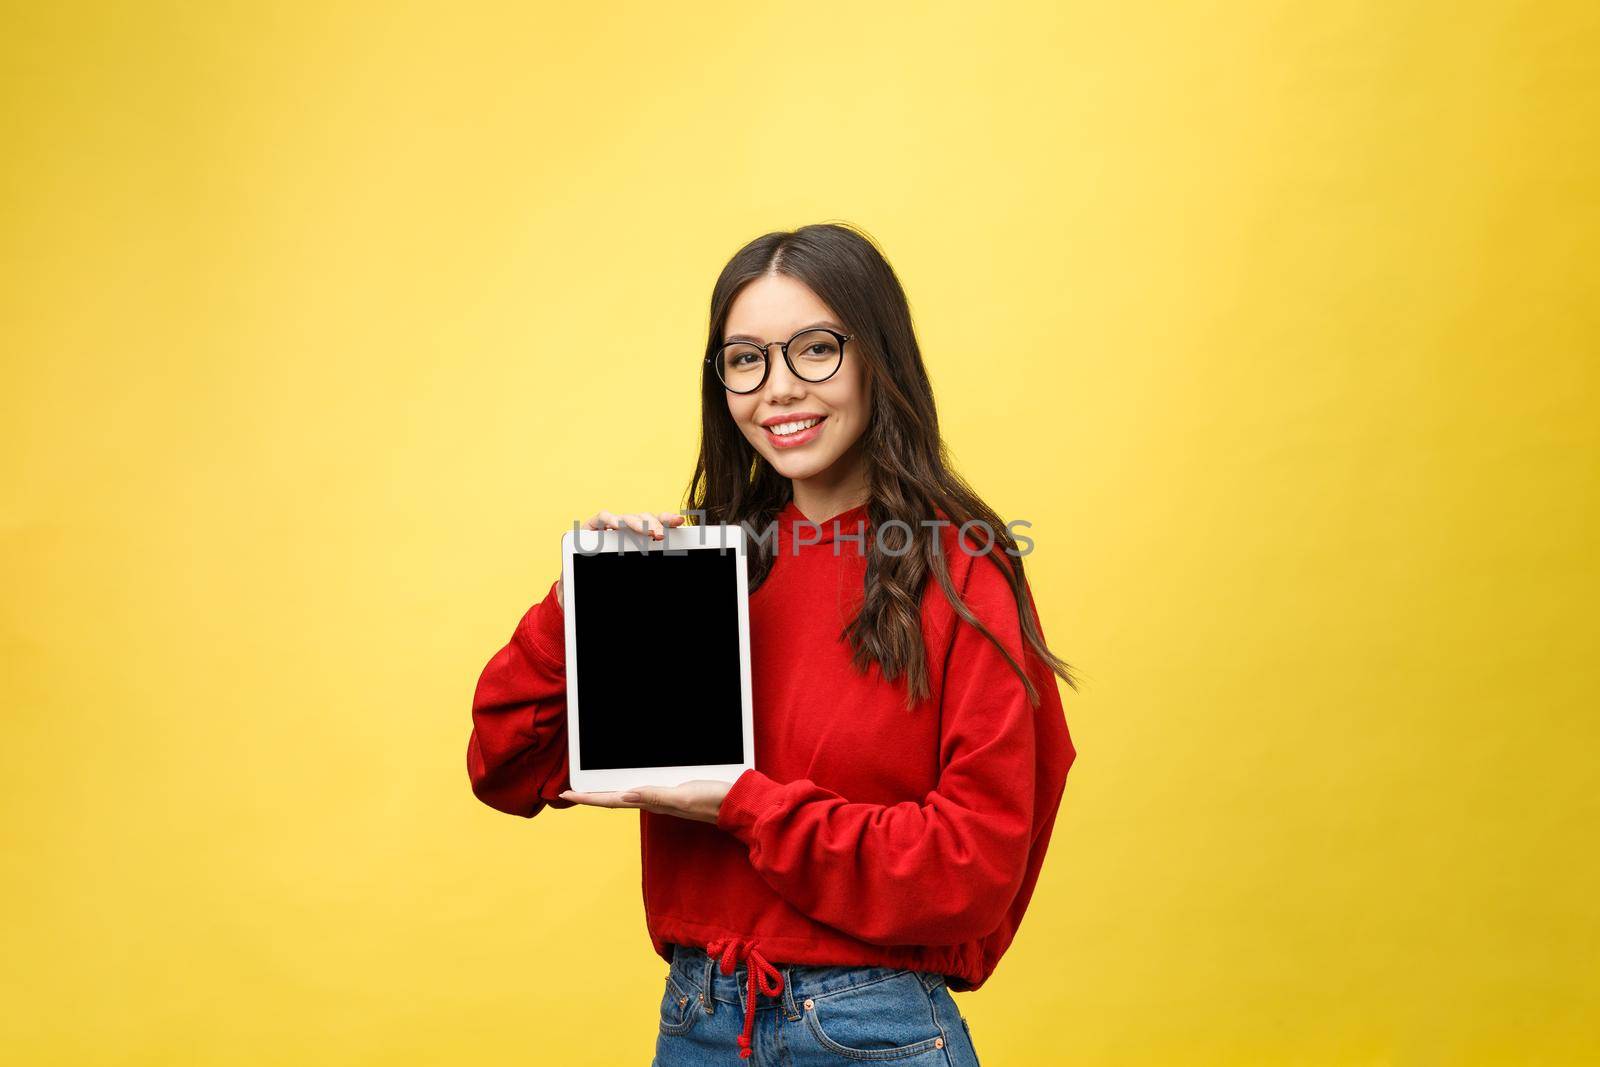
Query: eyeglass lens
x=815, y=355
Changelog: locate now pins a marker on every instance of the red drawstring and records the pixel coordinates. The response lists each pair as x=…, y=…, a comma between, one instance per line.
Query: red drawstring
x=732, y=949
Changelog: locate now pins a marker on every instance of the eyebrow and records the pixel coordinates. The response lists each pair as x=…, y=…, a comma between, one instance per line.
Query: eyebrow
x=829, y=323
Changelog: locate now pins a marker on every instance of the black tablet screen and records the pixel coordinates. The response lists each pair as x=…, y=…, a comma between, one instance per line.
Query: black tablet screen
x=658, y=658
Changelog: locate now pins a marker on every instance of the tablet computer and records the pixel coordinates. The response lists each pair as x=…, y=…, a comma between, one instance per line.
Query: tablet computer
x=658, y=657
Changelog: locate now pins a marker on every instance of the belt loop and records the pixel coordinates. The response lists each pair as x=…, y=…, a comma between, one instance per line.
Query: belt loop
x=710, y=999
x=789, y=1007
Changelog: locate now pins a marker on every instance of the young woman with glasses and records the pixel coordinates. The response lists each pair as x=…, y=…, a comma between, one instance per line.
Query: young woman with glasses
x=911, y=746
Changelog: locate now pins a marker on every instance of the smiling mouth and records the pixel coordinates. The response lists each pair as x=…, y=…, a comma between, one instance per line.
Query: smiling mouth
x=789, y=429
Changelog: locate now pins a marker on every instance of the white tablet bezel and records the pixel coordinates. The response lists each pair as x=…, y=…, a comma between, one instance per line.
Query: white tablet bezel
x=680, y=537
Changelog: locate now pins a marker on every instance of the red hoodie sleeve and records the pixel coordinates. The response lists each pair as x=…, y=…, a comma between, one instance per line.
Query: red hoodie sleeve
x=944, y=870
x=517, y=754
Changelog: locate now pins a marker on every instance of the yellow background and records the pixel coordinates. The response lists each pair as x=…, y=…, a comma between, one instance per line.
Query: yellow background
x=1277, y=320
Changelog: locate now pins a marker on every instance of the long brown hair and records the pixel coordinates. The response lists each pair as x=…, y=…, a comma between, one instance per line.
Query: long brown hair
x=909, y=470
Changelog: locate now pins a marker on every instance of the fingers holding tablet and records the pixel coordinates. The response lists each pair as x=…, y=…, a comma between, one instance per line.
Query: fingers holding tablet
x=653, y=524
x=611, y=799
x=699, y=800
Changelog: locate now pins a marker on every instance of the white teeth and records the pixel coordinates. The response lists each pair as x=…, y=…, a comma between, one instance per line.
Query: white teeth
x=783, y=429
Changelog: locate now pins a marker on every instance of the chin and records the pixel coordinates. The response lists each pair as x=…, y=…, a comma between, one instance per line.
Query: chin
x=795, y=467
x=798, y=470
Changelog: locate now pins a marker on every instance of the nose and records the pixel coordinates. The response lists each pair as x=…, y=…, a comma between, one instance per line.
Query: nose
x=782, y=385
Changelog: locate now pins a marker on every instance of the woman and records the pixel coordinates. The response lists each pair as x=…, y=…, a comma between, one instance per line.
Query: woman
x=911, y=747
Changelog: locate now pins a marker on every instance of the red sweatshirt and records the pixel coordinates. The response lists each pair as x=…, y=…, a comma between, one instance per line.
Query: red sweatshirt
x=867, y=833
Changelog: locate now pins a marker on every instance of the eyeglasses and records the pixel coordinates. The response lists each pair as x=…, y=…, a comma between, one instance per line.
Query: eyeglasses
x=817, y=353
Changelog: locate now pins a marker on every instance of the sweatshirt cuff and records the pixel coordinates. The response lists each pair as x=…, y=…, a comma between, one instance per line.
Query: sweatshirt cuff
x=543, y=630
x=751, y=795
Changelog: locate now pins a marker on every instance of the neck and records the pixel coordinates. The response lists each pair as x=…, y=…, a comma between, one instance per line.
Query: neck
x=837, y=489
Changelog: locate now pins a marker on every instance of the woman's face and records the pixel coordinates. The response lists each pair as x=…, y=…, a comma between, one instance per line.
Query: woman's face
x=775, y=307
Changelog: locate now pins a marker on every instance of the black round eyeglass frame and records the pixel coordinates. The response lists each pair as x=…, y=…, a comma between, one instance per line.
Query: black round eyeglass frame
x=715, y=359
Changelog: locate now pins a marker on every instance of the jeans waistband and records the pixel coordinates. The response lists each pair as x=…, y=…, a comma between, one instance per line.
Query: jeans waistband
x=695, y=973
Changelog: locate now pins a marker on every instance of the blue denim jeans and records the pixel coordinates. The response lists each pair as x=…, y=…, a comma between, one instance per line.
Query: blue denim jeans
x=823, y=1016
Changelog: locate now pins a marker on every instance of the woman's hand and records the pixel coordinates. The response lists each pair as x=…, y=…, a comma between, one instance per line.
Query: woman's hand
x=700, y=800
x=640, y=522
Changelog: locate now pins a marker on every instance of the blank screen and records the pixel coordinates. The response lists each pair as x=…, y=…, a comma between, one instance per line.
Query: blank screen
x=658, y=658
